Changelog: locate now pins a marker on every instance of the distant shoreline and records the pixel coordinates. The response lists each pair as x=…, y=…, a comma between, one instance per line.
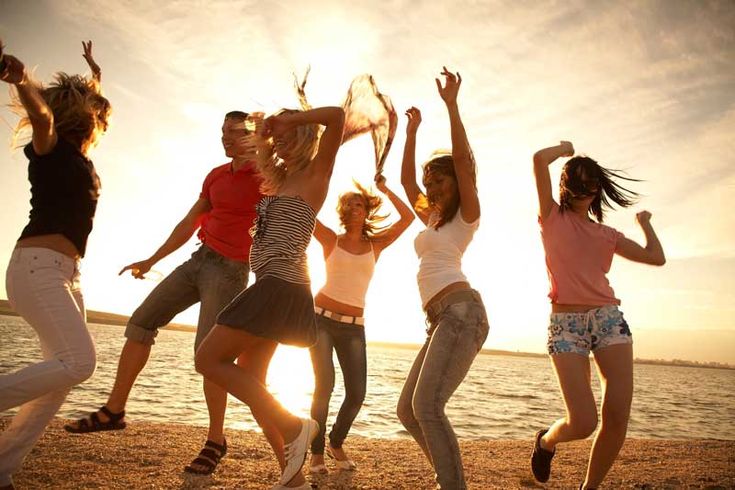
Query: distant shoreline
x=114, y=319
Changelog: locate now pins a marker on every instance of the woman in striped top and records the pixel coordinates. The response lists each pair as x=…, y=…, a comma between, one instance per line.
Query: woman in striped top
x=296, y=166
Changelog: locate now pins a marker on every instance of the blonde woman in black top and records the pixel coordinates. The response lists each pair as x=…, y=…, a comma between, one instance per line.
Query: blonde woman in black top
x=66, y=119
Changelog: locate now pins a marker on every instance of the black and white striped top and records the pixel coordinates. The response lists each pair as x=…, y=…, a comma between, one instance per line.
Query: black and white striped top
x=281, y=233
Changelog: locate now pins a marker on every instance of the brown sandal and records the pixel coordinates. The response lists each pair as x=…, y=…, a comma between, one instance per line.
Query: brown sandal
x=94, y=424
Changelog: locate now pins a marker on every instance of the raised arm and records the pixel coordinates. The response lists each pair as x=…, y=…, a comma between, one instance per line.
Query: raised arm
x=652, y=253
x=179, y=236
x=96, y=71
x=332, y=118
x=464, y=165
x=541, y=161
x=408, y=166
x=39, y=113
x=390, y=235
x=326, y=237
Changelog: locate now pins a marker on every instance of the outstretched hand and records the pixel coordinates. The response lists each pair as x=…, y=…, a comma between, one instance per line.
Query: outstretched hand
x=450, y=89
x=414, y=120
x=87, y=55
x=137, y=269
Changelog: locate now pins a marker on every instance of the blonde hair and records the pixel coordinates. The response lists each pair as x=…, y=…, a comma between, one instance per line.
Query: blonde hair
x=301, y=146
x=81, y=113
x=371, y=226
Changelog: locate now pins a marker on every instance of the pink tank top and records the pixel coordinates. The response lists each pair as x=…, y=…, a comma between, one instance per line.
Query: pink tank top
x=578, y=257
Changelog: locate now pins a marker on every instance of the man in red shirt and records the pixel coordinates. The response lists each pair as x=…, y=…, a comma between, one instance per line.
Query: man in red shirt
x=213, y=276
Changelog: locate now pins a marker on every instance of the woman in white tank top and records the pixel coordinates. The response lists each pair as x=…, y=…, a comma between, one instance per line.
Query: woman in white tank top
x=458, y=325
x=350, y=261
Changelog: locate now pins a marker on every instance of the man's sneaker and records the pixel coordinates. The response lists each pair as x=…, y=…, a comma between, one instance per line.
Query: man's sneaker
x=541, y=459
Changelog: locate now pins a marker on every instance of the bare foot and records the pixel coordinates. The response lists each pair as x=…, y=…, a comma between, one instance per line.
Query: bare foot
x=316, y=465
x=343, y=462
x=338, y=454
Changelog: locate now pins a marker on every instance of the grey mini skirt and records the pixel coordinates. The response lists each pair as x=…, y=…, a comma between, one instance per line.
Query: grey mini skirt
x=274, y=309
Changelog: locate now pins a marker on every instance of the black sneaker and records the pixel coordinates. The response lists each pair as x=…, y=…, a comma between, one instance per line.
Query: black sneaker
x=541, y=459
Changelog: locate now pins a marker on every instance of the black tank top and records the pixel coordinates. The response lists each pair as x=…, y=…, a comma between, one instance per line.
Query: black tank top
x=64, y=192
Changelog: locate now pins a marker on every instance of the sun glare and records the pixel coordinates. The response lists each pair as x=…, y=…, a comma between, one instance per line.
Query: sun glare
x=291, y=379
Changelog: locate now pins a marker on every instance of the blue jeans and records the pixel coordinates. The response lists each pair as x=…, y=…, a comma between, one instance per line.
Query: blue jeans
x=207, y=277
x=455, y=336
x=349, y=342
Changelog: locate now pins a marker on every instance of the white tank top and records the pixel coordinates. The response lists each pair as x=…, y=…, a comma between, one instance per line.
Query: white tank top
x=440, y=252
x=348, y=275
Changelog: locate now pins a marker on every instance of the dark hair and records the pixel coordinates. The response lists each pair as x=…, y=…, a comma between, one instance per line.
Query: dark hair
x=572, y=184
x=444, y=164
x=237, y=115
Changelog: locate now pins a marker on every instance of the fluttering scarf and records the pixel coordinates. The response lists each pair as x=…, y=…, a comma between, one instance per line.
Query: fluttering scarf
x=366, y=110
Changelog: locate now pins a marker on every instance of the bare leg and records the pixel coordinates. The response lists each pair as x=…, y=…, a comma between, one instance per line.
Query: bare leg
x=214, y=360
x=257, y=363
x=573, y=373
x=133, y=359
x=615, y=367
x=216, y=399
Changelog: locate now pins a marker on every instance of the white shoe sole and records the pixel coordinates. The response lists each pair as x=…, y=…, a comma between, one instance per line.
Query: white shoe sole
x=299, y=448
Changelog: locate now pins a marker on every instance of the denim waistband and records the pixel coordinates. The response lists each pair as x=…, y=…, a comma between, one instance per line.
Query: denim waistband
x=208, y=252
x=436, y=307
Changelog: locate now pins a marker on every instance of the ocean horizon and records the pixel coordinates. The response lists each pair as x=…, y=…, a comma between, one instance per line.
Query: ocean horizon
x=503, y=396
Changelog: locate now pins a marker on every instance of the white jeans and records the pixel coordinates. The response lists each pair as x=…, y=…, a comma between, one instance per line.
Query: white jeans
x=43, y=287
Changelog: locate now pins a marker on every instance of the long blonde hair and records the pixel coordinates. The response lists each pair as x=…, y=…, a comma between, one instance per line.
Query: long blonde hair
x=371, y=226
x=301, y=145
x=81, y=113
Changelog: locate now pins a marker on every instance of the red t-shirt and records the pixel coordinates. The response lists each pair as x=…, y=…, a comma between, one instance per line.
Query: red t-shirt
x=233, y=196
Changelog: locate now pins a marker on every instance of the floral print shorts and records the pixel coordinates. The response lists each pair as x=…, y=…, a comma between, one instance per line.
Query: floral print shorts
x=584, y=332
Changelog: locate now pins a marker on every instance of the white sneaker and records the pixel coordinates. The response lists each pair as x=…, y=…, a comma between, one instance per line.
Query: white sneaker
x=295, y=451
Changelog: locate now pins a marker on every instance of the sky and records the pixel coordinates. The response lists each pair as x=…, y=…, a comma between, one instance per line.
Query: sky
x=647, y=87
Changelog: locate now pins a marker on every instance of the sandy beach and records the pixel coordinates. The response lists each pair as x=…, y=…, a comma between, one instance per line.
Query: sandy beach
x=147, y=455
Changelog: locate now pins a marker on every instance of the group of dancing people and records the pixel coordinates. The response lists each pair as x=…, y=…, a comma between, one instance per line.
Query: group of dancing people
x=258, y=213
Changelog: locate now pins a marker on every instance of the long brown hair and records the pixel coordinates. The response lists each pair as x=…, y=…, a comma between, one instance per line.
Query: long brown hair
x=581, y=169
x=443, y=163
x=81, y=113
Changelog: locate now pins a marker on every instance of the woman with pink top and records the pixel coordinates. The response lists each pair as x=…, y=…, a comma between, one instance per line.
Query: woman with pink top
x=584, y=309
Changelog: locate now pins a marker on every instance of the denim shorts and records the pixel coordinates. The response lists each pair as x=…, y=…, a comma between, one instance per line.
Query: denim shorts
x=207, y=278
x=588, y=331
